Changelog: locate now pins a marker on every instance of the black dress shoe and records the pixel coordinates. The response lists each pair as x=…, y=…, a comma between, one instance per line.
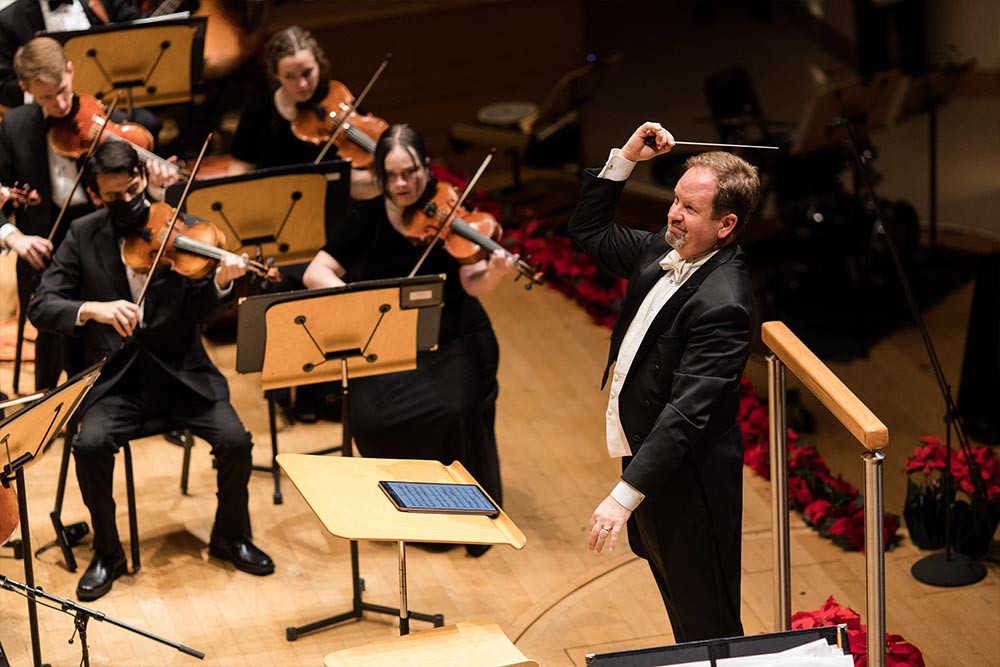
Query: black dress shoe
x=242, y=553
x=100, y=574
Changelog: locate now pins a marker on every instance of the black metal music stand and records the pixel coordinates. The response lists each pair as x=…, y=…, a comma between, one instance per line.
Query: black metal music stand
x=23, y=438
x=924, y=94
x=153, y=61
x=872, y=105
x=379, y=326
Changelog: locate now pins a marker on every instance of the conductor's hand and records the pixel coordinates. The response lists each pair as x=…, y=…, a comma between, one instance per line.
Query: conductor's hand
x=35, y=250
x=646, y=142
x=122, y=315
x=606, y=523
x=230, y=268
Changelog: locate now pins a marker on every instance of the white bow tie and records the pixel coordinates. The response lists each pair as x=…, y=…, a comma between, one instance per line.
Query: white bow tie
x=674, y=262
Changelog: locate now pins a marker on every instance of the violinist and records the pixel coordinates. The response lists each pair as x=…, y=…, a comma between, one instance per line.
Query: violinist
x=264, y=135
x=27, y=157
x=160, y=375
x=445, y=409
x=23, y=19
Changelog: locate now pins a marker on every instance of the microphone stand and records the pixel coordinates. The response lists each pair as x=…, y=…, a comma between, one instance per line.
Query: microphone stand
x=81, y=615
x=945, y=568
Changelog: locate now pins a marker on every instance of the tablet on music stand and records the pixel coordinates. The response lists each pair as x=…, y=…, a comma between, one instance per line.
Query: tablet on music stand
x=438, y=498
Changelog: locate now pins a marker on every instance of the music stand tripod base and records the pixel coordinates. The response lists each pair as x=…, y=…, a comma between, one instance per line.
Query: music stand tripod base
x=940, y=570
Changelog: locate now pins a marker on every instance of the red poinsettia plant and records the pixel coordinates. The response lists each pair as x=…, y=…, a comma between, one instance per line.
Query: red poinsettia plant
x=828, y=503
x=899, y=652
x=974, y=517
x=929, y=460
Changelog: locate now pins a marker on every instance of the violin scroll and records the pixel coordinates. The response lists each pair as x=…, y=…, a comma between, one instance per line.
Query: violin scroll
x=21, y=196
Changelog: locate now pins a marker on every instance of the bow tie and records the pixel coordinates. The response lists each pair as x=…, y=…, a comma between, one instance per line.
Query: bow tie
x=56, y=4
x=673, y=262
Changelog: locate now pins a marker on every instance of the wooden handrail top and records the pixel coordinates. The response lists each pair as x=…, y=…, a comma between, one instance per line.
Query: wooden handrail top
x=826, y=386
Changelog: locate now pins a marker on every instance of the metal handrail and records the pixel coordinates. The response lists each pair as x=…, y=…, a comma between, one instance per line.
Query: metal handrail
x=789, y=352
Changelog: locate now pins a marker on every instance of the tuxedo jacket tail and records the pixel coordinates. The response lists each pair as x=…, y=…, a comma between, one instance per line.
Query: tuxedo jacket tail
x=88, y=267
x=678, y=405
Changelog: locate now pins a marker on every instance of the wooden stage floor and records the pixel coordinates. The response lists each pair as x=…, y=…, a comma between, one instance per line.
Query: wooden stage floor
x=555, y=599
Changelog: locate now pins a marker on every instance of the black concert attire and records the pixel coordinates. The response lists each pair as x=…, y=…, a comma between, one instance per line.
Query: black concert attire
x=445, y=409
x=678, y=411
x=264, y=138
x=22, y=21
x=25, y=158
x=160, y=378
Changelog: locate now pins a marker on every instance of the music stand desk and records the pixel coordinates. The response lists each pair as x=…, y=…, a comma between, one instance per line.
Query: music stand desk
x=23, y=437
x=154, y=61
x=480, y=644
x=345, y=496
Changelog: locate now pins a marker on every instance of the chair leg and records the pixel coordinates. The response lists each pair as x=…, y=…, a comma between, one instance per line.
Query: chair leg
x=62, y=538
x=186, y=466
x=133, y=524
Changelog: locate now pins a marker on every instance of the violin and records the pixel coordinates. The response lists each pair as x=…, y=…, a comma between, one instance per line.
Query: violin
x=20, y=196
x=468, y=236
x=9, y=515
x=74, y=135
x=194, y=248
x=317, y=123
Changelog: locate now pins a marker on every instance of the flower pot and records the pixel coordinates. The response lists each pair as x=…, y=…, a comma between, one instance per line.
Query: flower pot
x=973, y=526
x=924, y=513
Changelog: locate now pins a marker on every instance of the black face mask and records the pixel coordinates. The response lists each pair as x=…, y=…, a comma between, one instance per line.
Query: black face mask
x=128, y=216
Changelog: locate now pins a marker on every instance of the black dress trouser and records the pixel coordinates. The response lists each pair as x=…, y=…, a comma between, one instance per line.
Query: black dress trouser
x=134, y=410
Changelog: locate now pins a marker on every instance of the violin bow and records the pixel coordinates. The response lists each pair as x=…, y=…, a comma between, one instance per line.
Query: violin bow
x=347, y=114
x=79, y=176
x=458, y=203
x=173, y=222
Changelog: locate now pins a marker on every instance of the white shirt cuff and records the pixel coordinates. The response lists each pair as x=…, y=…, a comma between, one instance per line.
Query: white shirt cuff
x=222, y=293
x=79, y=319
x=627, y=495
x=6, y=230
x=617, y=168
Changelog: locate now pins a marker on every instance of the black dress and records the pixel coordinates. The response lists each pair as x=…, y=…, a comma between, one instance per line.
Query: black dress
x=445, y=409
x=264, y=138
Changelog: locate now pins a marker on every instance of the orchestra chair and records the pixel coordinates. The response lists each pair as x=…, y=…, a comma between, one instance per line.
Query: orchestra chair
x=480, y=644
x=547, y=134
x=65, y=539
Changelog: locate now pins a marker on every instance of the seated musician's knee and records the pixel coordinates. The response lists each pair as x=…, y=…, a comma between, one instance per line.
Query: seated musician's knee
x=93, y=440
x=232, y=440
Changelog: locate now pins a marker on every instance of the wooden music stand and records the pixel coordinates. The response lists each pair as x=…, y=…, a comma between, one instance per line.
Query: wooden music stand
x=155, y=61
x=275, y=213
x=345, y=496
x=298, y=338
x=23, y=438
x=480, y=644
x=871, y=105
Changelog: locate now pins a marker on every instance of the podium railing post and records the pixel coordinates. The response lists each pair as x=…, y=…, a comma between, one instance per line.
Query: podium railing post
x=874, y=557
x=778, y=434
